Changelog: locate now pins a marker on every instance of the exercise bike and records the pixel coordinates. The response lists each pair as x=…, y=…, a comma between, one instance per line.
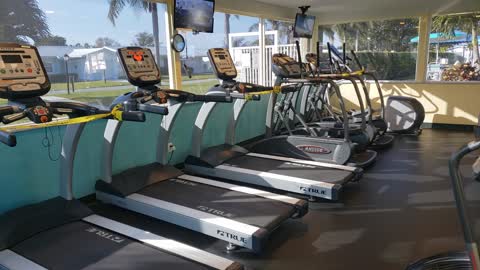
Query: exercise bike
x=468, y=259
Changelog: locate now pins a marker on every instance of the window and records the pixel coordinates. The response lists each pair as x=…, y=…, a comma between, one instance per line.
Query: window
x=278, y=39
x=48, y=67
x=81, y=37
x=239, y=34
x=454, y=49
x=387, y=47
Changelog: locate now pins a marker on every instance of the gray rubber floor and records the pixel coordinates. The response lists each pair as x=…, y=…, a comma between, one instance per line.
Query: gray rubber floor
x=401, y=210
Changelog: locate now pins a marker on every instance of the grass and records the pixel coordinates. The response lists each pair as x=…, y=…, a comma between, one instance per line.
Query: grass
x=91, y=84
x=195, y=77
x=106, y=97
x=102, y=84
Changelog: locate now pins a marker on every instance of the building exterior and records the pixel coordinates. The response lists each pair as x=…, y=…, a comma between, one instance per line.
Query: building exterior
x=91, y=64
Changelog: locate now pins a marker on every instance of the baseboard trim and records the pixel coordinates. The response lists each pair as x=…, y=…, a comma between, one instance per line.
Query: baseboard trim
x=455, y=127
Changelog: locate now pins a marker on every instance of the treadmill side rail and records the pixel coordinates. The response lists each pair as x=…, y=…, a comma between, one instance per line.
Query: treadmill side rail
x=271, y=180
x=301, y=205
x=237, y=233
x=11, y=260
x=164, y=244
x=355, y=170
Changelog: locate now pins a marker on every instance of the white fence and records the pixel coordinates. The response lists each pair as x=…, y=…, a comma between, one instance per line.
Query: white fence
x=247, y=62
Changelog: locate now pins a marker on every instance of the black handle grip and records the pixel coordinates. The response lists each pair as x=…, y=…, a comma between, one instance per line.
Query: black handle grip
x=6, y=110
x=8, y=138
x=133, y=116
x=290, y=88
x=299, y=53
x=212, y=98
x=153, y=109
x=13, y=117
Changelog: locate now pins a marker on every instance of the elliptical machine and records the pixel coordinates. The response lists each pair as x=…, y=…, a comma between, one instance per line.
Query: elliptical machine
x=399, y=115
x=333, y=143
x=468, y=259
x=340, y=63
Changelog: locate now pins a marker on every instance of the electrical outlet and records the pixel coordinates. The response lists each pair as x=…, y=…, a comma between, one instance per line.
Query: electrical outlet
x=171, y=147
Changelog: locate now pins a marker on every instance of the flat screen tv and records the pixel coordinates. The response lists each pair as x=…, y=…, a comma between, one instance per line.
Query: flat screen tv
x=303, y=26
x=194, y=14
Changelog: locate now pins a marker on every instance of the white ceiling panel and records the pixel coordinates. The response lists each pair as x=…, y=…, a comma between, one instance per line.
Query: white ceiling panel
x=329, y=11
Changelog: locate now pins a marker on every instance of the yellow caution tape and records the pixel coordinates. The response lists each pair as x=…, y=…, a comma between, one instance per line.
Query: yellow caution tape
x=116, y=114
x=275, y=89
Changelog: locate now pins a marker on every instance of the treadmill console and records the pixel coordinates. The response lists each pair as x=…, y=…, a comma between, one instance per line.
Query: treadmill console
x=284, y=66
x=139, y=65
x=222, y=63
x=22, y=74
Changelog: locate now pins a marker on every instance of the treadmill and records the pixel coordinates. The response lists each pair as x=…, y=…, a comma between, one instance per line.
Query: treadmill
x=229, y=161
x=243, y=217
x=62, y=233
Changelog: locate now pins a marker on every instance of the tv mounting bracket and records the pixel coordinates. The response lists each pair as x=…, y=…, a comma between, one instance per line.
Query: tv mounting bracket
x=304, y=9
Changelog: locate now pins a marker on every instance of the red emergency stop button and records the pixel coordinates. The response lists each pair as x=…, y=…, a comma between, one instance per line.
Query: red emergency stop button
x=29, y=70
x=44, y=119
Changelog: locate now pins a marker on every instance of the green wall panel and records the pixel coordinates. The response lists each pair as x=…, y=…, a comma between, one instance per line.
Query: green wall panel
x=216, y=128
x=29, y=176
x=181, y=135
x=27, y=173
x=252, y=120
x=137, y=143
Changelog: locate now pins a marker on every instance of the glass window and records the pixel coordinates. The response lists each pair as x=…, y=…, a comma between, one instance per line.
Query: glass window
x=236, y=32
x=81, y=37
x=454, y=49
x=387, y=47
x=278, y=39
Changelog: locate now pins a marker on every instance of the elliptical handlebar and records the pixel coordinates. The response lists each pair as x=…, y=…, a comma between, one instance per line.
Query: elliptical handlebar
x=357, y=61
x=476, y=169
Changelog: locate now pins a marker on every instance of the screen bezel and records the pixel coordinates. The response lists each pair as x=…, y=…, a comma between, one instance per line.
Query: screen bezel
x=210, y=30
x=295, y=34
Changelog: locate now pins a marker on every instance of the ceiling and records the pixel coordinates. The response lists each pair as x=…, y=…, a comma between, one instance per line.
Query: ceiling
x=331, y=11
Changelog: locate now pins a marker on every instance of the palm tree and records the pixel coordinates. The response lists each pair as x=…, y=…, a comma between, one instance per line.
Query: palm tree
x=22, y=19
x=464, y=22
x=116, y=6
x=285, y=30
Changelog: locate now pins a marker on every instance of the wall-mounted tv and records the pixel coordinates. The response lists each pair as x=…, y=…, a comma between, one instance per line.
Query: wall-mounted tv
x=194, y=14
x=303, y=26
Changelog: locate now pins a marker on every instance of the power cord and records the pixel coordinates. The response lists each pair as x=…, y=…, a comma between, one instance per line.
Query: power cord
x=49, y=141
x=170, y=158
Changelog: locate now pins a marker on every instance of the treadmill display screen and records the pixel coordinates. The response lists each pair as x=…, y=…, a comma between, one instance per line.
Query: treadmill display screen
x=12, y=59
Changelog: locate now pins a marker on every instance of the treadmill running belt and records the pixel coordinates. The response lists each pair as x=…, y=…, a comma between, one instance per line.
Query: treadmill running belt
x=327, y=175
x=238, y=206
x=80, y=245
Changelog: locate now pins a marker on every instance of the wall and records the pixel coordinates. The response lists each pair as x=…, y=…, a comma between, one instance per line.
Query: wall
x=27, y=175
x=444, y=103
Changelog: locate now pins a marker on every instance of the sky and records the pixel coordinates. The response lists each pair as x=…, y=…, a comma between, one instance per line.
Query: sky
x=83, y=21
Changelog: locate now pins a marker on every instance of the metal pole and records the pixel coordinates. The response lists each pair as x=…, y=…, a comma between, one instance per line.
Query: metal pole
x=68, y=77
